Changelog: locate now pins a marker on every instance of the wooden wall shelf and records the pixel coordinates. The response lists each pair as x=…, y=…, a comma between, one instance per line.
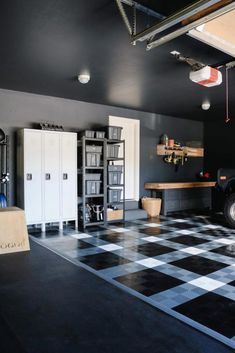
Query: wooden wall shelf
x=162, y=150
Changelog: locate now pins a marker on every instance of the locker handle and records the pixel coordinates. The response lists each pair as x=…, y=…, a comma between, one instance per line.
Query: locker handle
x=48, y=176
x=65, y=176
x=29, y=176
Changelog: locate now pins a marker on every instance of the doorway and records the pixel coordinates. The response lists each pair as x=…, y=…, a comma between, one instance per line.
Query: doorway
x=131, y=135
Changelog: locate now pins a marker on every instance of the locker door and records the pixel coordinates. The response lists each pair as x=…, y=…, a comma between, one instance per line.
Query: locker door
x=69, y=176
x=51, y=155
x=33, y=176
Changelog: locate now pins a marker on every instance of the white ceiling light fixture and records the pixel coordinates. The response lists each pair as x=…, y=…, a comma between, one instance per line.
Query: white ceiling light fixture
x=206, y=105
x=84, y=78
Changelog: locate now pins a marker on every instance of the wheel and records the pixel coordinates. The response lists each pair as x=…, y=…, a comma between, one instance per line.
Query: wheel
x=229, y=210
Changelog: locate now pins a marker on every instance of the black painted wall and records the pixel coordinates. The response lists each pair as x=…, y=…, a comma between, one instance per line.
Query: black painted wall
x=20, y=110
x=219, y=145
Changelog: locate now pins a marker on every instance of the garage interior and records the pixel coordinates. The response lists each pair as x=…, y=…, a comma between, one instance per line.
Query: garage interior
x=117, y=176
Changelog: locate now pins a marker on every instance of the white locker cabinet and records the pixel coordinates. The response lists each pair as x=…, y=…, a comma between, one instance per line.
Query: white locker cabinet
x=69, y=176
x=32, y=176
x=47, y=176
x=51, y=177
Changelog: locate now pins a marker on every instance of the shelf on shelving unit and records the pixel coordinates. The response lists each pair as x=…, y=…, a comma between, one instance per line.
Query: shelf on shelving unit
x=94, y=223
x=115, y=159
x=93, y=195
x=95, y=168
x=115, y=141
x=115, y=185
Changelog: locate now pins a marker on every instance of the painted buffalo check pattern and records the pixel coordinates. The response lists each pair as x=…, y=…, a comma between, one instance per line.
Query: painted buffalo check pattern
x=183, y=264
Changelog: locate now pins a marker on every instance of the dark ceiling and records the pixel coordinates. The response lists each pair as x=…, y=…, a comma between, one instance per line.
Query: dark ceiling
x=44, y=44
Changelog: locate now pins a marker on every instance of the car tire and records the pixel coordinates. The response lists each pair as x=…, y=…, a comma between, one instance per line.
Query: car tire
x=229, y=210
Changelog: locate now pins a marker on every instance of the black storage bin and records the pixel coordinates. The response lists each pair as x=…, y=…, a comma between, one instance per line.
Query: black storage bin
x=114, y=195
x=114, y=132
x=93, y=159
x=92, y=176
x=112, y=151
x=114, y=178
x=100, y=134
x=93, y=148
x=115, y=168
x=93, y=187
x=87, y=133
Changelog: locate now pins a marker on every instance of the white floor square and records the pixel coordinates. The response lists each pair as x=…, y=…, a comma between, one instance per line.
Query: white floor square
x=152, y=239
x=120, y=230
x=225, y=241
x=206, y=283
x=185, y=232
x=211, y=226
x=150, y=262
x=110, y=247
x=192, y=250
x=153, y=225
x=81, y=236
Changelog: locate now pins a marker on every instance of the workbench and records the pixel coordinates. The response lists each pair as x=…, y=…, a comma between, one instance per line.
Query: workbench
x=179, y=196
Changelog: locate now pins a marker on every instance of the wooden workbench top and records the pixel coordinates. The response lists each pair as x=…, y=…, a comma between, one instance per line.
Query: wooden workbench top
x=181, y=185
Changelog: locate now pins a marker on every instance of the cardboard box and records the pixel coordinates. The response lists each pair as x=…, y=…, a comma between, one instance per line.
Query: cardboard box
x=114, y=215
x=13, y=231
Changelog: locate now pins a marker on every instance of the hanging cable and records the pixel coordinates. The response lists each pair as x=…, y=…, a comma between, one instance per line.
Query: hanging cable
x=227, y=119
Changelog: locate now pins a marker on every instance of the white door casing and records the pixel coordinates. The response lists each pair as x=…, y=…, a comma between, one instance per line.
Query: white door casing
x=131, y=135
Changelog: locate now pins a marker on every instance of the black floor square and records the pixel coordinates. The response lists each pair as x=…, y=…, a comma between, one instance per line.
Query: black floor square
x=213, y=311
x=188, y=240
x=103, y=260
x=152, y=249
x=84, y=245
x=93, y=229
x=154, y=230
x=125, y=224
x=199, y=265
x=115, y=237
x=50, y=232
x=156, y=220
x=181, y=225
x=227, y=250
x=149, y=282
x=217, y=232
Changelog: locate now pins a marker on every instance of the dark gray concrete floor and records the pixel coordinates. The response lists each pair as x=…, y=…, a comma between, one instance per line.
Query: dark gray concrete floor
x=48, y=305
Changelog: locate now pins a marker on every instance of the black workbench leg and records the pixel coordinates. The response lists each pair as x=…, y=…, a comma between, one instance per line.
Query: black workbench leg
x=164, y=207
x=210, y=206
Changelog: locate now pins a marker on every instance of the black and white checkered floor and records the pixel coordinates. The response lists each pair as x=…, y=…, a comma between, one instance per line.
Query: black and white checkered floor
x=182, y=264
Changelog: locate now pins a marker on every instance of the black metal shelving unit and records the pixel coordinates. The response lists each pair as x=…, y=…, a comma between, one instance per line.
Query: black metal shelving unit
x=4, y=165
x=83, y=171
x=102, y=197
x=121, y=186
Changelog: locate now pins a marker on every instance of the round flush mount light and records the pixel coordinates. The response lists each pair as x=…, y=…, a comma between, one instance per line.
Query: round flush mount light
x=84, y=78
x=206, y=105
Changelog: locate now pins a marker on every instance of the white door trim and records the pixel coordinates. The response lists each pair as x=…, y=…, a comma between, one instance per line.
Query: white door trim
x=134, y=125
